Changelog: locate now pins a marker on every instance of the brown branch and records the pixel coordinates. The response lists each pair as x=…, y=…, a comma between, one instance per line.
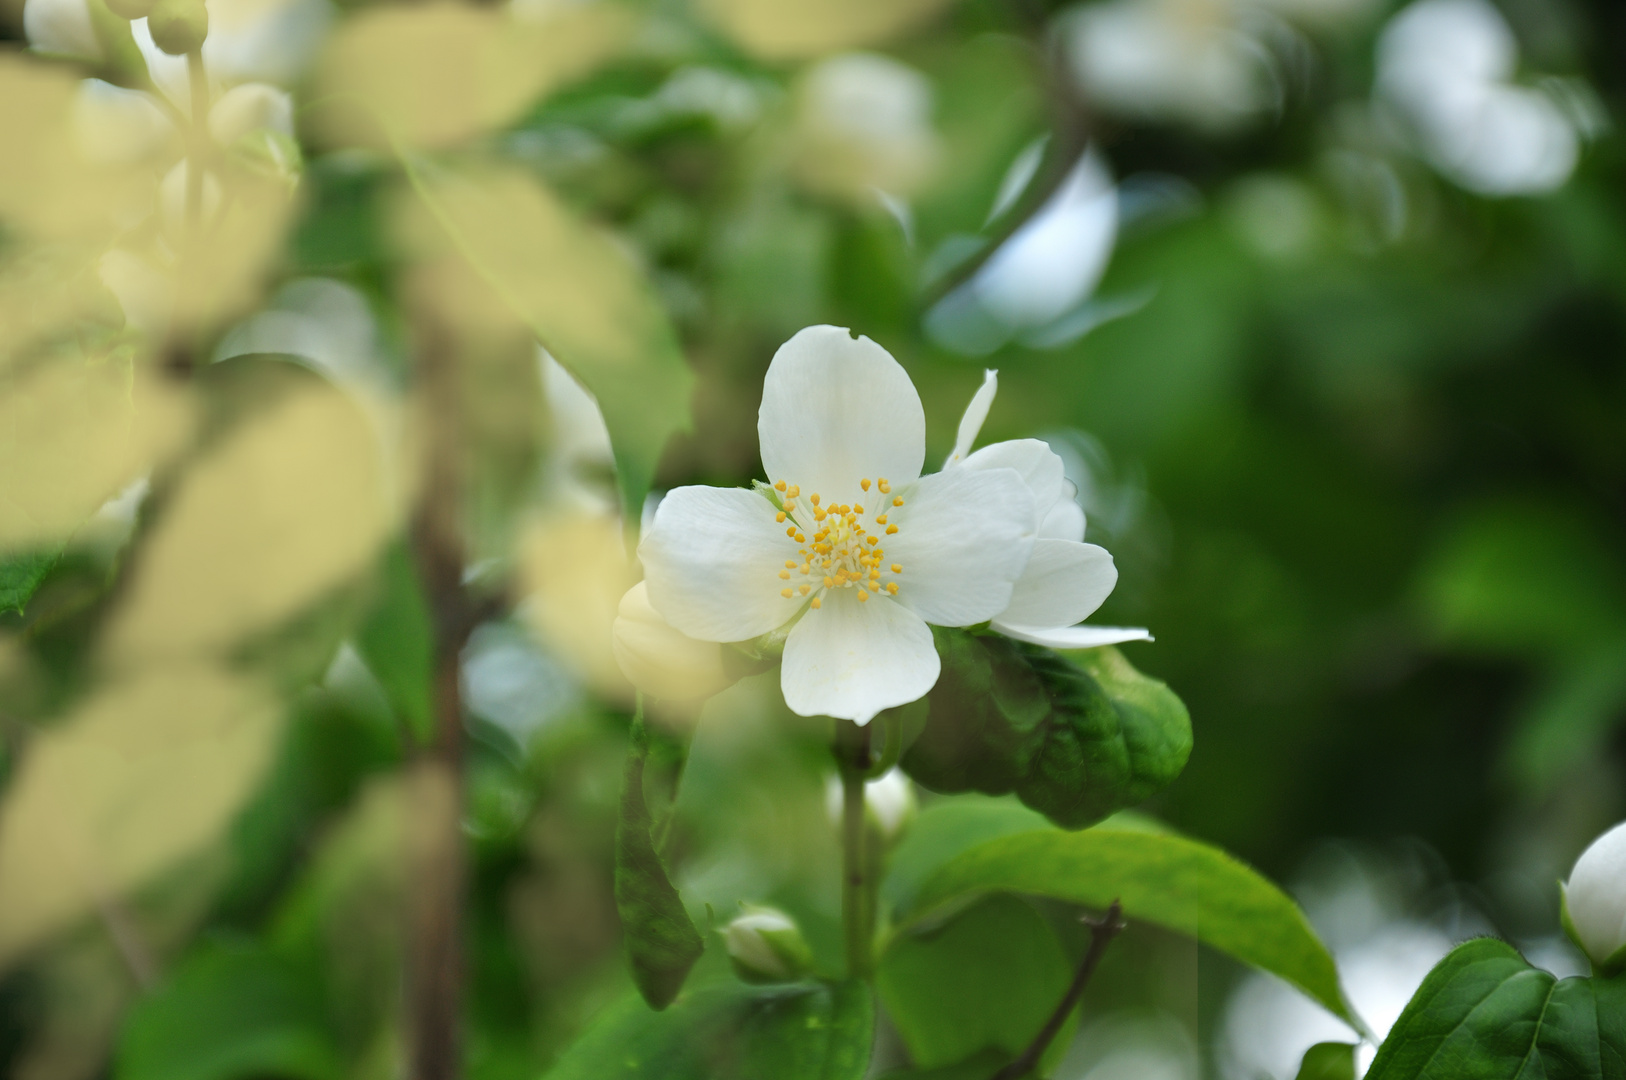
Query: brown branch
x=1101, y=934
x=438, y=859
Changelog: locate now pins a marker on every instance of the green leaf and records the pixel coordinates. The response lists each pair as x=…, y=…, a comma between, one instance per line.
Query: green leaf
x=731, y=1031
x=1328, y=1061
x=1484, y=1012
x=944, y=830
x=1076, y=739
x=583, y=298
x=229, y=1011
x=978, y=1067
x=662, y=942
x=989, y=979
x=21, y=575
x=1160, y=878
x=397, y=641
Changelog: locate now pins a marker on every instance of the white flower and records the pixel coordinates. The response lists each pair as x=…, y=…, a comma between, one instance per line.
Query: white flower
x=1595, y=900
x=1065, y=579
x=61, y=28
x=889, y=799
x=865, y=552
x=1445, y=69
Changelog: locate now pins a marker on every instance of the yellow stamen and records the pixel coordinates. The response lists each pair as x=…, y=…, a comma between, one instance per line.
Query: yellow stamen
x=892, y=587
x=780, y=517
x=793, y=491
x=779, y=486
x=880, y=519
x=864, y=484
x=800, y=539
x=884, y=486
x=816, y=602
x=877, y=539
x=791, y=532
x=815, y=498
x=897, y=568
x=858, y=509
x=784, y=575
x=897, y=500
x=890, y=529
x=803, y=589
x=787, y=593
x=862, y=596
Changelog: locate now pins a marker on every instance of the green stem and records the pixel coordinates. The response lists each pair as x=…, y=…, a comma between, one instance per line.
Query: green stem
x=857, y=915
x=198, y=148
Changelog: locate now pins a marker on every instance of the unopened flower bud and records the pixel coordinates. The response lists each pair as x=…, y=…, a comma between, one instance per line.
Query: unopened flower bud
x=766, y=946
x=661, y=661
x=131, y=9
x=889, y=801
x=178, y=26
x=1594, y=901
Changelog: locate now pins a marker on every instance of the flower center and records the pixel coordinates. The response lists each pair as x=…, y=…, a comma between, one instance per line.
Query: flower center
x=840, y=544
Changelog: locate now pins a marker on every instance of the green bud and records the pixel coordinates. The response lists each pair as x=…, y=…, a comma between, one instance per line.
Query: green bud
x=131, y=9
x=766, y=946
x=179, y=26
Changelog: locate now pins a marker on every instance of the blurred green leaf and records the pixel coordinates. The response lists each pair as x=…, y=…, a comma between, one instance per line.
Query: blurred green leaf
x=988, y=979
x=396, y=640
x=662, y=942
x=1571, y=716
x=1160, y=878
x=229, y=1012
x=1076, y=741
x=583, y=297
x=1517, y=576
x=944, y=830
x=21, y=575
x=1328, y=1061
x=1484, y=1012
x=977, y=1067
x=731, y=1031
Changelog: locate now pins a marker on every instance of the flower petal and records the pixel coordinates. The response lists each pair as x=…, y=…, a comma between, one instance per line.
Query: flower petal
x=1074, y=637
x=712, y=560
x=851, y=659
x=1063, y=584
x=975, y=413
x=964, y=538
x=835, y=410
x=1065, y=521
x=1041, y=468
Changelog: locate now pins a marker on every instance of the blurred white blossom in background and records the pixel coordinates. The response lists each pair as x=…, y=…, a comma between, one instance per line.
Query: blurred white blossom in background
x=1445, y=71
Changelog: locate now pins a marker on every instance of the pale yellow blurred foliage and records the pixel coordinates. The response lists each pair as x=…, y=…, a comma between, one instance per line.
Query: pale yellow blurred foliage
x=287, y=507
x=72, y=435
x=799, y=29
x=433, y=74
x=576, y=570
x=45, y=292
x=662, y=661
x=222, y=272
x=572, y=284
x=144, y=772
x=48, y=190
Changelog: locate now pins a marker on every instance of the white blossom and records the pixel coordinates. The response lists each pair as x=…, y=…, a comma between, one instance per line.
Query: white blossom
x=1595, y=899
x=864, y=551
x=1065, y=579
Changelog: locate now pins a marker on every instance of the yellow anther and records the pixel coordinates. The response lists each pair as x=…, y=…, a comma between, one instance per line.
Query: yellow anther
x=892, y=587
x=829, y=582
x=880, y=519
x=864, y=484
x=791, y=532
x=884, y=486
x=858, y=509
x=877, y=539
x=803, y=589
x=897, y=568
x=787, y=593
x=862, y=596
x=897, y=500
x=790, y=507
x=780, y=517
x=779, y=486
x=800, y=539
x=803, y=569
x=790, y=564
x=875, y=575
x=890, y=529
x=784, y=575
x=818, y=515
x=816, y=602
x=794, y=491
x=814, y=498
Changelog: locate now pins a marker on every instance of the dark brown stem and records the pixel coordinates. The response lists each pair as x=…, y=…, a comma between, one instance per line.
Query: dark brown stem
x=1101, y=934
x=438, y=856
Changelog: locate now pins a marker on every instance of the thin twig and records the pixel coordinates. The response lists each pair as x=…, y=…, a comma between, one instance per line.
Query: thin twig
x=1101, y=934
